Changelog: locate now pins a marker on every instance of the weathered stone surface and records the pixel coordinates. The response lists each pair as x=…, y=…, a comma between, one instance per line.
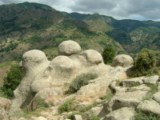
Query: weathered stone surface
x=96, y=110
x=49, y=80
x=47, y=96
x=151, y=80
x=78, y=117
x=93, y=56
x=124, y=113
x=5, y=103
x=156, y=97
x=142, y=87
x=69, y=47
x=38, y=118
x=158, y=86
x=126, y=99
x=149, y=106
x=22, y=118
x=116, y=88
x=123, y=60
x=132, y=82
x=34, y=62
x=3, y=114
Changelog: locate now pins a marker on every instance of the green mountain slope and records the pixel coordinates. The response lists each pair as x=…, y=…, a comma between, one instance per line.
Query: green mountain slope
x=26, y=16
x=28, y=26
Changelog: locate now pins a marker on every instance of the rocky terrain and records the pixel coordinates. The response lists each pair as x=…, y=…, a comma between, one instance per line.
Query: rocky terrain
x=77, y=85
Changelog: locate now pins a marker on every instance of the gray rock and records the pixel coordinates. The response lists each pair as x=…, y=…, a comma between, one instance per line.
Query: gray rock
x=123, y=60
x=3, y=114
x=93, y=56
x=121, y=114
x=132, y=82
x=78, y=117
x=151, y=80
x=126, y=99
x=38, y=118
x=142, y=87
x=34, y=62
x=149, y=106
x=96, y=110
x=156, y=97
x=69, y=47
x=5, y=103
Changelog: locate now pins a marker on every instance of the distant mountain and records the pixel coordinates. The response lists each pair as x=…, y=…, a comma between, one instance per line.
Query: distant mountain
x=27, y=26
x=133, y=35
x=23, y=16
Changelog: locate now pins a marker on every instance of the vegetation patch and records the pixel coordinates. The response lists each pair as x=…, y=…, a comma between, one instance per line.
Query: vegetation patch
x=146, y=116
x=80, y=81
x=12, y=80
x=145, y=64
x=67, y=106
x=108, y=54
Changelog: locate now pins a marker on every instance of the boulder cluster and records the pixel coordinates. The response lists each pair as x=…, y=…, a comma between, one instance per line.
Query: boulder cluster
x=47, y=82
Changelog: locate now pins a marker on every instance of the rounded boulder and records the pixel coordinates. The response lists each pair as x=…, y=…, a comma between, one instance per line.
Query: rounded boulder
x=123, y=60
x=69, y=47
x=93, y=56
x=62, y=62
x=33, y=56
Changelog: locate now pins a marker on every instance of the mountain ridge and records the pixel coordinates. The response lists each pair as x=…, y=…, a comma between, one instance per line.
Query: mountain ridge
x=25, y=26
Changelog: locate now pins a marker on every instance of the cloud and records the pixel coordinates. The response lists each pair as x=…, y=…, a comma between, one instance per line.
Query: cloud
x=137, y=9
x=120, y=9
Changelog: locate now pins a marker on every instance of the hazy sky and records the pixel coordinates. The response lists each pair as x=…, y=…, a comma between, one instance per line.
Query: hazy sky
x=120, y=9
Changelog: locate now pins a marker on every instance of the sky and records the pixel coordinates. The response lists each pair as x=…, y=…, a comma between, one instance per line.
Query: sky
x=119, y=9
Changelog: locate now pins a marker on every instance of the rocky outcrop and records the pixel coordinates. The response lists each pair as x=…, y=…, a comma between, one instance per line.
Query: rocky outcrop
x=130, y=97
x=48, y=80
x=34, y=62
x=47, y=83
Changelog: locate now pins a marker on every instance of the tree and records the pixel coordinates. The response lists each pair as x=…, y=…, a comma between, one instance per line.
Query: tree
x=108, y=54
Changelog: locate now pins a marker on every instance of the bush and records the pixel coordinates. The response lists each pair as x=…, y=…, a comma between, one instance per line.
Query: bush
x=12, y=80
x=108, y=54
x=144, y=63
x=68, y=105
x=80, y=81
x=145, y=60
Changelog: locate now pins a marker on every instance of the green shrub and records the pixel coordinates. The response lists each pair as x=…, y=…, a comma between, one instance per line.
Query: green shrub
x=108, y=54
x=146, y=116
x=68, y=105
x=144, y=63
x=80, y=81
x=145, y=60
x=12, y=80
